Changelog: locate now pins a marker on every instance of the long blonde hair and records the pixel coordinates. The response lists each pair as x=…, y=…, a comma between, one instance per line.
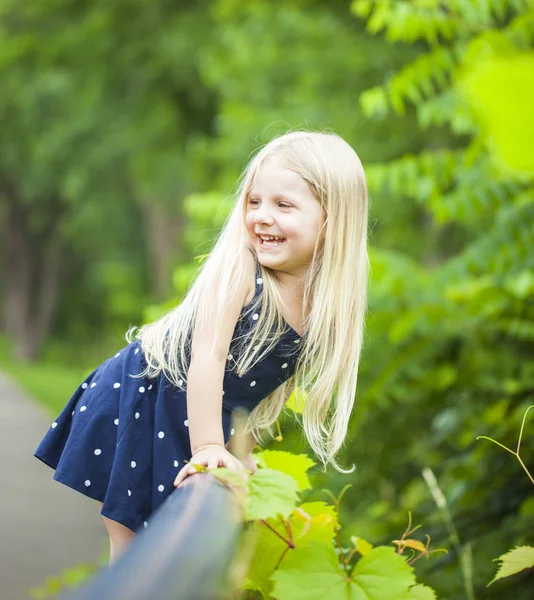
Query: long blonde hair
x=334, y=301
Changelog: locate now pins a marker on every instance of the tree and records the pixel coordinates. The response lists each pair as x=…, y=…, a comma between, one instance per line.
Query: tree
x=448, y=338
x=98, y=113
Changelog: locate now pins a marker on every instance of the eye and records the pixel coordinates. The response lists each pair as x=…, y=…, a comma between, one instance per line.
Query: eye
x=254, y=202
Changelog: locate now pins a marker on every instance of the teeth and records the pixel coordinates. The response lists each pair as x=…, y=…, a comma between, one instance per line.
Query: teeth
x=270, y=237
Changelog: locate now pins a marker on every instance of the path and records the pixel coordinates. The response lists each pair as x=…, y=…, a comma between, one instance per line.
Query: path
x=44, y=525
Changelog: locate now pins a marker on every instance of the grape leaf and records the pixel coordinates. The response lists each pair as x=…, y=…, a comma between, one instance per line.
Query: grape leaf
x=294, y=465
x=362, y=546
x=514, y=561
x=314, y=573
x=312, y=521
x=268, y=548
x=382, y=574
x=270, y=493
x=418, y=592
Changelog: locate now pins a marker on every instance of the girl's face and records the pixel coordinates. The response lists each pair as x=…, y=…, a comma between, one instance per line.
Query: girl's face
x=280, y=203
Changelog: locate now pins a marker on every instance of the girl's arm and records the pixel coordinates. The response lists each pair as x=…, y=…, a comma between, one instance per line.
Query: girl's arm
x=245, y=443
x=206, y=370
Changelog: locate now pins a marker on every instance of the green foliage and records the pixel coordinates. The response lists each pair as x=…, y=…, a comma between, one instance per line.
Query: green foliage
x=451, y=317
x=506, y=115
x=515, y=561
x=295, y=557
x=69, y=579
x=270, y=493
x=520, y=558
x=294, y=465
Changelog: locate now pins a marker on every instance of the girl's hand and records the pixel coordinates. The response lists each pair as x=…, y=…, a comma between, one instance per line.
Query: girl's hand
x=210, y=456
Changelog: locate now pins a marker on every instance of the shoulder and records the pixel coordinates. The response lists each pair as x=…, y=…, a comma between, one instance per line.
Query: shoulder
x=215, y=325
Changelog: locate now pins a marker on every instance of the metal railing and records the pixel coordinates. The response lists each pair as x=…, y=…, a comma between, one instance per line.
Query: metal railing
x=184, y=554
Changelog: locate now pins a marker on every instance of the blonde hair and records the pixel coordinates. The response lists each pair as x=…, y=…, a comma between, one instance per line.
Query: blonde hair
x=334, y=302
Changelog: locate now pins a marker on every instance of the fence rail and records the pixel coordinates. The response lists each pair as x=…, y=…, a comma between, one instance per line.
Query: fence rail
x=184, y=554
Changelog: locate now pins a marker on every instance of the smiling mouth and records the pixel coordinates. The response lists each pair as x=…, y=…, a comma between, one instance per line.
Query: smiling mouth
x=271, y=243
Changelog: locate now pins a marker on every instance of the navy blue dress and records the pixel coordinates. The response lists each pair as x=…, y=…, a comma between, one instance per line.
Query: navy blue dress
x=122, y=440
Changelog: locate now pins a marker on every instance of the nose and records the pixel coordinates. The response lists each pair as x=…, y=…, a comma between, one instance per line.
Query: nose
x=262, y=215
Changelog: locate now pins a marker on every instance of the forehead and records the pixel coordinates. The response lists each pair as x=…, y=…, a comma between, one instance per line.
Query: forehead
x=274, y=178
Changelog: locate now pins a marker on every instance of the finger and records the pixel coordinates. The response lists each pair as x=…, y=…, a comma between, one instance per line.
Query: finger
x=181, y=476
x=213, y=462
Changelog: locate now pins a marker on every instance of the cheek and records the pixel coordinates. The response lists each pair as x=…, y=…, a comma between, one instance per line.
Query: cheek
x=249, y=222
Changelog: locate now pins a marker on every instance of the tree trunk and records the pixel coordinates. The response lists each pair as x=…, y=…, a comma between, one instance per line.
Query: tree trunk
x=163, y=238
x=32, y=276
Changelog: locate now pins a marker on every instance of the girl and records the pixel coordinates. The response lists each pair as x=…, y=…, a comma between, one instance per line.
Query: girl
x=280, y=302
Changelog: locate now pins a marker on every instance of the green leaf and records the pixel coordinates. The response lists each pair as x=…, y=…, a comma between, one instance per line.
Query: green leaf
x=271, y=493
x=294, y=465
x=382, y=574
x=312, y=573
x=501, y=91
x=419, y=592
x=268, y=548
x=310, y=522
x=514, y=561
x=313, y=521
x=362, y=546
x=296, y=401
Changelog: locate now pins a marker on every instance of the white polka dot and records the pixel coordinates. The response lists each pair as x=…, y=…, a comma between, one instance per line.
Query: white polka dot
x=145, y=524
x=83, y=408
x=133, y=464
x=84, y=385
x=252, y=383
x=118, y=354
x=284, y=366
x=129, y=492
x=117, y=385
x=98, y=452
x=180, y=382
x=149, y=387
x=230, y=357
x=255, y=316
x=223, y=392
x=142, y=389
x=232, y=431
x=116, y=421
x=87, y=483
x=186, y=422
x=175, y=463
x=54, y=425
x=93, y=384
x=161, y=488
x=297, y=341
x=136, y=350
x=72, y=413
x=137, y=415
x=161, y=435
x=259, y=281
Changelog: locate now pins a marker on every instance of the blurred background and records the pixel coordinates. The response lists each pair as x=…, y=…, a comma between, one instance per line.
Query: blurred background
x=123, y=129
